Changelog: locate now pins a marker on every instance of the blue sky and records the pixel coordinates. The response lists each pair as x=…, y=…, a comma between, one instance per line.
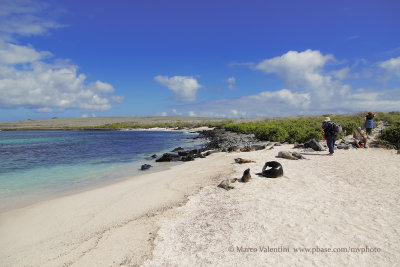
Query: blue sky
x=222, y=58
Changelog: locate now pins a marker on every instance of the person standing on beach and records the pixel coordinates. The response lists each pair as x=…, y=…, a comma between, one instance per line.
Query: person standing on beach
x=369, y=123
x=330, y=136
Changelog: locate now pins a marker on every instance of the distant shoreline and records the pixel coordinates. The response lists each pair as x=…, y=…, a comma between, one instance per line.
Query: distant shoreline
x=106, y=123
x=108, y=129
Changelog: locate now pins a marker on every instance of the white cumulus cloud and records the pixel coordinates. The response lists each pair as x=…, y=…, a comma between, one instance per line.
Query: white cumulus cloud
x=391, y=66
x=184, y=87
x=24, y=18
x=301, y=71
x=231, y=83
x=310, y=89
x=17, y=54
x=46, y=86
x=257, y=105
x=27, y=80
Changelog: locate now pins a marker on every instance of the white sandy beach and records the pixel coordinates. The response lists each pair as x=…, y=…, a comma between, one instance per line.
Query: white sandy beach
x=179, y=217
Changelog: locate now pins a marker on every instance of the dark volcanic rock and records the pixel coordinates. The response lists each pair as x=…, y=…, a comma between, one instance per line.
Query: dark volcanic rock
x=221, y=140
x=314, y=144
x=183, y=153
x=168, y=157
x=344, y=146
x=145, y=167
x=187, y=158
x=177, y=149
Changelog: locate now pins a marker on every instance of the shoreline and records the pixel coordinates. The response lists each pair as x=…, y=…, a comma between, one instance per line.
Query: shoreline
x=82, y=219
x=72, y=190
x=143, y=219
x=125, y=171
x=184, y=129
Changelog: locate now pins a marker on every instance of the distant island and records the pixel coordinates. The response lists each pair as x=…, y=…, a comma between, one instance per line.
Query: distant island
x=108, y=123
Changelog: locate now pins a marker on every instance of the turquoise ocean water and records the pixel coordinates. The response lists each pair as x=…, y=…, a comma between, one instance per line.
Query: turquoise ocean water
x=35, y=165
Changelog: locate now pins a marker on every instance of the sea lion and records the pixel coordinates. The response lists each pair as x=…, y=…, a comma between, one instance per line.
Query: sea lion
x=247, y=149
x=240, y=160
x=290, y=155
x=226, y=184
x=275, y=171
x=286, y=155
x=246, y=176
x=298, y=155
x=233, y=149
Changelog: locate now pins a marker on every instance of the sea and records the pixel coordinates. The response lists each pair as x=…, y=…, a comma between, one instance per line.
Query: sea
x=38, y=165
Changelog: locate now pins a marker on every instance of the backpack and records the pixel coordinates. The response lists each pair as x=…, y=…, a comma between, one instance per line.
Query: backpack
x=336, y=128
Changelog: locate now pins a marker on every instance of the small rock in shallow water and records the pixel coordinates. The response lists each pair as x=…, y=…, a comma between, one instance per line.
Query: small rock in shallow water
x=145, y=167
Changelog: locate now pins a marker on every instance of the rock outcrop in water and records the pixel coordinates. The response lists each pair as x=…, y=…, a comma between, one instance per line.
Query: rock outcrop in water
x=145, y=167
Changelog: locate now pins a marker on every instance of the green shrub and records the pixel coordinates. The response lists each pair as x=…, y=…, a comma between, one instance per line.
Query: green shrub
x=300, y=129
x=390, y=117
x=271, y=133
x=392, y=134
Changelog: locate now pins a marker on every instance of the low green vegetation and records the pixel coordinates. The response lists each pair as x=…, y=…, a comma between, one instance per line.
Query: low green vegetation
x=302, y=129
x=390, y=134
x=292, y=130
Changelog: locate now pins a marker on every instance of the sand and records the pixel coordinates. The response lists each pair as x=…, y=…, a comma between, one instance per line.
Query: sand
x=178, y=217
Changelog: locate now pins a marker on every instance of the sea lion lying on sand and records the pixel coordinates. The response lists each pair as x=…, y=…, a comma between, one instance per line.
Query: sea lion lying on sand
x=290, y=155
x=247, y=149
x=298, y=155
x=240, y=160
x=226, y=184
x=246, y=176
x=275, y=171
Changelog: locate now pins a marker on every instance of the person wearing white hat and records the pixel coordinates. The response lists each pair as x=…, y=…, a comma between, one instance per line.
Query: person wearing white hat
x=330, y=137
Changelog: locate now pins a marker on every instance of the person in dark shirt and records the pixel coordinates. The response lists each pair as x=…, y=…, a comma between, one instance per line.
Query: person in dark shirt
x=330, y=137
x=369, y=122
